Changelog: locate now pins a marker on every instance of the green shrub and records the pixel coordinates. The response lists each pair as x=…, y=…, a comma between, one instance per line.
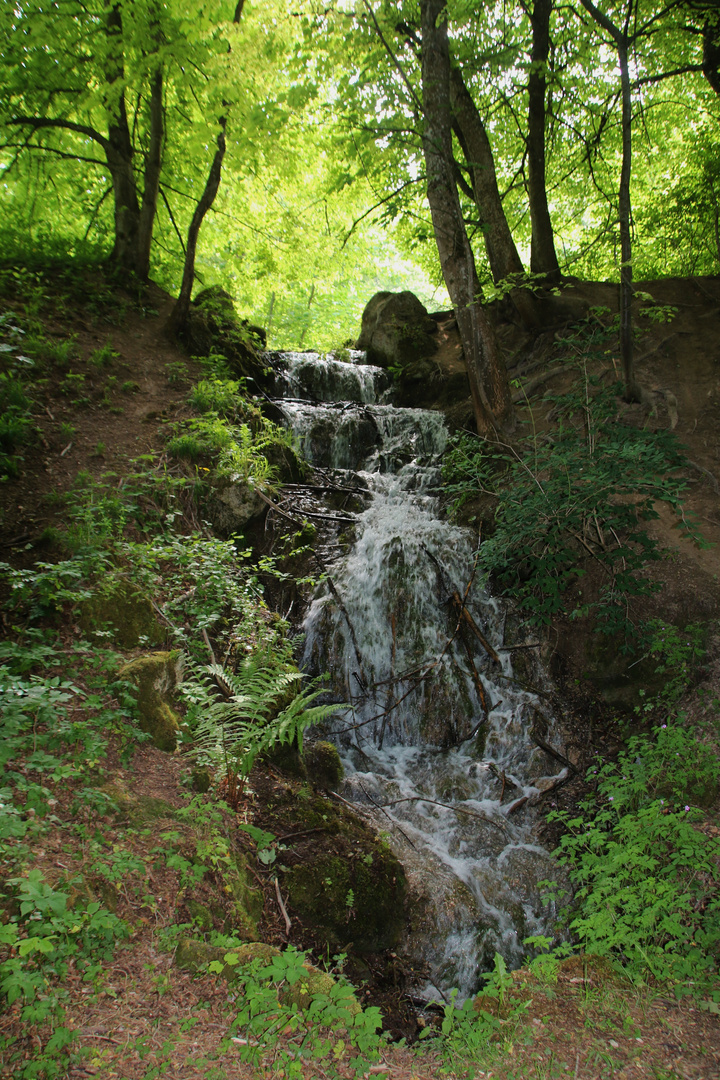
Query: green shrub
x=645, y=879
x=584, y=495
x=216, y=395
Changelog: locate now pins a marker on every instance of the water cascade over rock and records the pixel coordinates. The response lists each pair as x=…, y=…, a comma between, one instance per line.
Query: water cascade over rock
x=440, y=743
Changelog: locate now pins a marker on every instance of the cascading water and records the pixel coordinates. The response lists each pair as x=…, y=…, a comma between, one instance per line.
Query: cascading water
x=437, y=742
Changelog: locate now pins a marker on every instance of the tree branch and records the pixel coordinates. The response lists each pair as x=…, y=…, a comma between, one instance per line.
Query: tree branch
x=68, y=125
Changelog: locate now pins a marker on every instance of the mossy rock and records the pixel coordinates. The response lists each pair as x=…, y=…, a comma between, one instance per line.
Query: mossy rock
x=194, y=956
x=201, y=915
x=139, y=810
x=201, y=780
x=156, y=677
x=323, y=766
x=125, y=611
x=247, y=901
x=213, y=326
x=358, y=901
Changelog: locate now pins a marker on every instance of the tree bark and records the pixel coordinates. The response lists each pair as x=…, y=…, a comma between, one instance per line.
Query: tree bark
x=502, y=254
x=543, y=257
x=711, y=52
x=488, y=379
x=632, y=392
x=151, y=185
x=179, y=314
x=120, y=150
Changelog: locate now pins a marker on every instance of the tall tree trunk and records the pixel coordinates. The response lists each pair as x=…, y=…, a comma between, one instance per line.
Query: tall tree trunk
x=151, y=186
x=488, y=379
x=179, y=314
x=119, y=149
x=499, y=244
x=543, y=257
x=632, y=392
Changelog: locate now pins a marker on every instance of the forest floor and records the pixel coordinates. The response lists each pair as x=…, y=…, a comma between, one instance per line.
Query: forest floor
x=109, y=405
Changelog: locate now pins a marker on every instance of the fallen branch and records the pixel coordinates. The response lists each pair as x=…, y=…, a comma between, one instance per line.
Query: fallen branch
x=282, y=907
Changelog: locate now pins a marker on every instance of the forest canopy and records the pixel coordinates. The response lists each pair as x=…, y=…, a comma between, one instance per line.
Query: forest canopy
x=111, y=114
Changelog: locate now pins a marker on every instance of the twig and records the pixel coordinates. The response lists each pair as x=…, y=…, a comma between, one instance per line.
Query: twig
x=206, y=639
x=526, y=645
x=445, y=806
x=282, y=907
x=391, y=820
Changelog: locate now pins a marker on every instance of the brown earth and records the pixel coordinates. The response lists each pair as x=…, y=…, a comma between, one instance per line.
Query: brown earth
x=148, y=1014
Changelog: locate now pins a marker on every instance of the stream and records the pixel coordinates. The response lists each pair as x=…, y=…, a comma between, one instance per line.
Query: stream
x=438, y=741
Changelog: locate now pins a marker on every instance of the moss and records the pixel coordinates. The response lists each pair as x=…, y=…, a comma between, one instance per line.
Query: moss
x=195, y=956
x=247, y=901
x=200, y=780
x=358, y=900
x=126, y=612
x=139, y=810
x=323, y=765
x=156, y=677
x=201, y=915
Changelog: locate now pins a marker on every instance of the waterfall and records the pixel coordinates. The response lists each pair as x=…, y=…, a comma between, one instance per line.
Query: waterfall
x=437, y=740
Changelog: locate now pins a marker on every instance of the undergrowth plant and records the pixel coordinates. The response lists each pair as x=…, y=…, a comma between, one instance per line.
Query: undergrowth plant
x=645, y=878
x=235, y=716
x=323, y=1026
x=577, y=499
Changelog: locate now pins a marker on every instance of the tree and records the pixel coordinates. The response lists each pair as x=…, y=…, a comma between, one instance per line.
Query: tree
x=543, y=258
x=489, y=383
x=133, y=79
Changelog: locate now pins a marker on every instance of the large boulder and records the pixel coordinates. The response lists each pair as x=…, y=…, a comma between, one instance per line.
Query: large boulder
x=397, y=330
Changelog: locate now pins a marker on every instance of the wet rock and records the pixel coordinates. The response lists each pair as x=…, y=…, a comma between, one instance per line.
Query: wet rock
x=156, y=677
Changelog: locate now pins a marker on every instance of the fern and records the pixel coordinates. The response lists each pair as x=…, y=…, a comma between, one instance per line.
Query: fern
x=237, y=716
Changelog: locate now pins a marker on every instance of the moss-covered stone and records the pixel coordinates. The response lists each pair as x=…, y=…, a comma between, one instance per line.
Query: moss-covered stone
x=125, y=611
x=247, y=901
x=194, y=956
x=200, y=780
x=139, y=810
x=201, y=915
x=323, y=765
x=358, y=900
x=156, y=676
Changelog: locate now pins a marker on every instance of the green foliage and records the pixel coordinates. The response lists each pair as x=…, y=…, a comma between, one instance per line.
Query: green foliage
x=261, y=705
x=44, y=938
x=105, y=356
x=580, y=499
x=216, y=395
x=469, y=1029
x=328, y=1027
x=645, y=879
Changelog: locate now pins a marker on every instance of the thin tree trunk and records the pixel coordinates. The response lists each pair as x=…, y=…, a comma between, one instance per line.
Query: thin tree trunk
x=632, y=392
x=623, y=40
x=120, y=151
x=151, y=187
x=489, y=384
x=501, y=251
x=543, y=257
x=499, y=244
x=179, y=313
